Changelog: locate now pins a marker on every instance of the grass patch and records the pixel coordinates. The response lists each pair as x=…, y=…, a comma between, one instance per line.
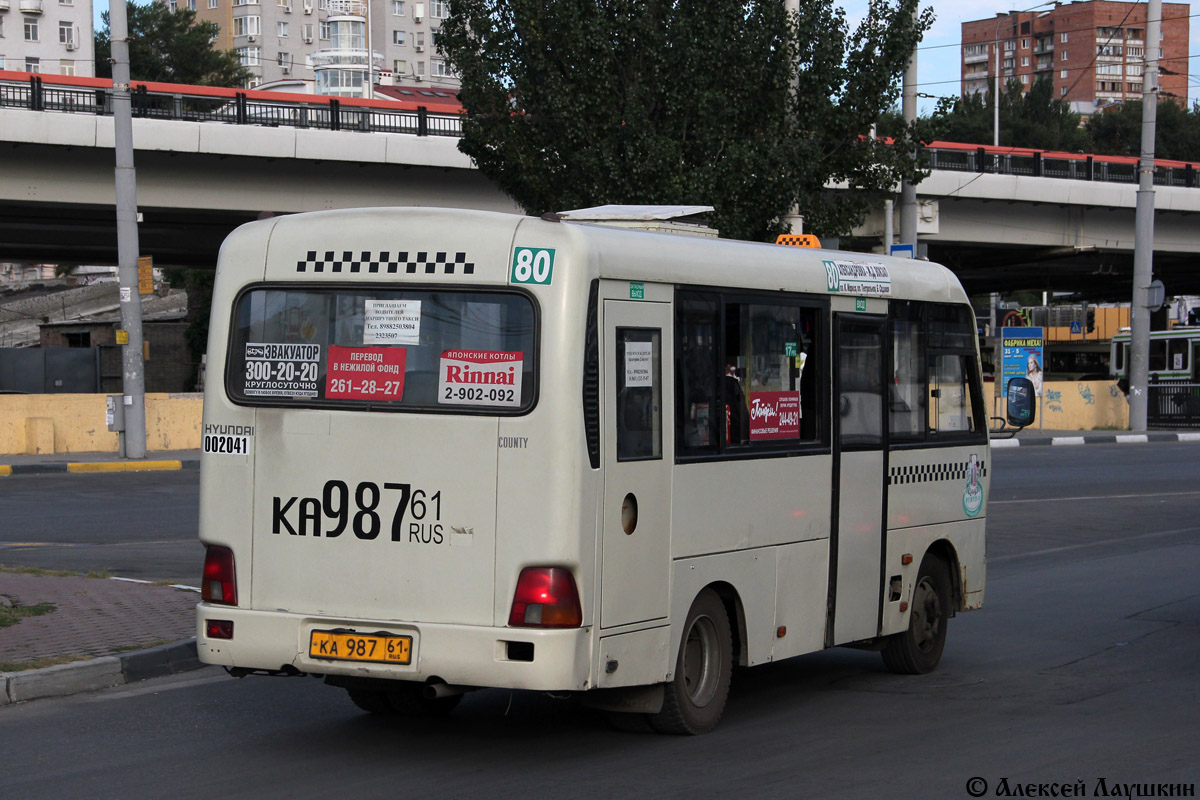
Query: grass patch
x=12, y=615
x=55, y=573
x=129, y=648
x=39, y=663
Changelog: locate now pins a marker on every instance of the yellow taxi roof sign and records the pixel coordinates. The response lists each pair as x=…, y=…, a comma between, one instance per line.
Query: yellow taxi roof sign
x=798, y=240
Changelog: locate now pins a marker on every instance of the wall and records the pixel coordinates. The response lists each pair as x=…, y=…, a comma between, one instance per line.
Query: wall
x=1081, y=405
x=74, y=423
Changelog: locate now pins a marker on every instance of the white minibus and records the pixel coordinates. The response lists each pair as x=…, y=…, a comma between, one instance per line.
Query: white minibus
x=447, y=450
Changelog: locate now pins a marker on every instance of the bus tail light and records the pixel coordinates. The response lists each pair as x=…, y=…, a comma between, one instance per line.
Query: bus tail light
x=220, y=582
x=546, y=597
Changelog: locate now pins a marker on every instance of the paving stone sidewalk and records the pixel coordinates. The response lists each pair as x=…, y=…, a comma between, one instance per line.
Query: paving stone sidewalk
x=102, y=631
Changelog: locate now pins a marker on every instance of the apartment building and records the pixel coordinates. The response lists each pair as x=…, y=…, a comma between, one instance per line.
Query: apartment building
x=324, y=42
x=1093, y=51
x=51, y=36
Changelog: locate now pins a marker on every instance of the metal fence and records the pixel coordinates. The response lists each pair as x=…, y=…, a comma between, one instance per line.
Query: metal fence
x=238, y=109
x=1089, y=168
x=1173, y=405
x=49, y=370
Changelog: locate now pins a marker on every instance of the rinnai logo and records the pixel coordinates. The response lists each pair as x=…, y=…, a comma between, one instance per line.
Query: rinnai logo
x=480, y=377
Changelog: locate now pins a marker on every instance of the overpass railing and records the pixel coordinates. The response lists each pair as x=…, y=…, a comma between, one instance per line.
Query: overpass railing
x=251, y=107
x=234, y=107
x=1050, y=164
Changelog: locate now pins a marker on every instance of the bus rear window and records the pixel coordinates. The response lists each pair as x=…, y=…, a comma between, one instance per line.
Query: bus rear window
x=443, y=350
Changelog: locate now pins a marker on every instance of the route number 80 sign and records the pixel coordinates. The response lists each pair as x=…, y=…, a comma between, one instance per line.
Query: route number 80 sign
x=532, y=265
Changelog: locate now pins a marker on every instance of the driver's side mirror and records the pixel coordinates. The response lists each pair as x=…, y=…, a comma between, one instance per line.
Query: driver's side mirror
x=1021, y=408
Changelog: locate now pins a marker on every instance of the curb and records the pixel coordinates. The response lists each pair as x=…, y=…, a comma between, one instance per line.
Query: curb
x=99, y=673
x=78, y=467
x=1117, y=438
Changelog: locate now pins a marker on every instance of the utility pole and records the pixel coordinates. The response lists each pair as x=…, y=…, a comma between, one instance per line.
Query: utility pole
x=1143, y=236
x=908, y=192
x=132, y=367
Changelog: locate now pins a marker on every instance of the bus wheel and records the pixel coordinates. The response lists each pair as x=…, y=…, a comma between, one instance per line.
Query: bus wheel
x=694, y=700
x=917, y=650
x=371, y=701
x=410, y=699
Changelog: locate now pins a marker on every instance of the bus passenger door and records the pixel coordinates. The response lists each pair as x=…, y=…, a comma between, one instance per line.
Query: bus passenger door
x=856, y=584
x=638, y=452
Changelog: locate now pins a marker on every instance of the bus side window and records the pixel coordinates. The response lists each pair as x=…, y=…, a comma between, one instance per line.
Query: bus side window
x=697, y=397
x=908, y=392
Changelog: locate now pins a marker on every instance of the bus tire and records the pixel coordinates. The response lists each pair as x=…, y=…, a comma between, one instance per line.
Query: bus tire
x=694, y=699
x=918, y=649
x=372, y=701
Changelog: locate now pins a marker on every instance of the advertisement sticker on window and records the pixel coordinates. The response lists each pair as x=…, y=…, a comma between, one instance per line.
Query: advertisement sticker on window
x=365, y=373
x=392, y=322
x=774, y=415
x=638, y=362
x=282, y=370
x=480, y=378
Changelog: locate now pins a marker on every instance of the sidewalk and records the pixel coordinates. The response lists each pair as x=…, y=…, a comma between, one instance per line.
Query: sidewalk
x=103, y=631
x=100, y=632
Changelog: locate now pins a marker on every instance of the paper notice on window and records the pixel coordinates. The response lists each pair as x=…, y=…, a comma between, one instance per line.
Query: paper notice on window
x=639, y=358
x=392, y=322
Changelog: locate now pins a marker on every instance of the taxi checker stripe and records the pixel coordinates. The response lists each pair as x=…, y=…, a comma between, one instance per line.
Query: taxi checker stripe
x=370, y=262
x=930, y=473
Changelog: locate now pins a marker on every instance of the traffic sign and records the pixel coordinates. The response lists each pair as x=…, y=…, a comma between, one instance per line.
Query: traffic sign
x=1076, y=327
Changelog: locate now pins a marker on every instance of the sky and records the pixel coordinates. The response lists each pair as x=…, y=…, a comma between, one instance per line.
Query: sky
x=938, y=57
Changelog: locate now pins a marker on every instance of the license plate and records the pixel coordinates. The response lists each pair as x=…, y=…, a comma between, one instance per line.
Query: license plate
x=379, y=647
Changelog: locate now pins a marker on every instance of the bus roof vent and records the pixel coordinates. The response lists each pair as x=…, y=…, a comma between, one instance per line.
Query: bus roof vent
x=689, y=220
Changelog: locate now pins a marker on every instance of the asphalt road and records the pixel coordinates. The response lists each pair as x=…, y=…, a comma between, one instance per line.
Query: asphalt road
x=129, y=524
x=1082, y=666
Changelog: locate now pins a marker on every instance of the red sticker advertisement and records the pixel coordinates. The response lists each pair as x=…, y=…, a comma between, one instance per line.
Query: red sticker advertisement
x=365, y=373
x=480, y=377
x=774, y=415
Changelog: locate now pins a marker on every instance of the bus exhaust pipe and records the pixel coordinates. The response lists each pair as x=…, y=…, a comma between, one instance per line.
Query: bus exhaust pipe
x=432, y=691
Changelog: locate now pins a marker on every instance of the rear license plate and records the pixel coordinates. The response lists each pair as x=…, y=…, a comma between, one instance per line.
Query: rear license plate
x=379, y=647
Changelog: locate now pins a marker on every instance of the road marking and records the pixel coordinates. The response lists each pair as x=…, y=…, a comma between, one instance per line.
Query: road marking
x=1098, y=543
x=1101, y=497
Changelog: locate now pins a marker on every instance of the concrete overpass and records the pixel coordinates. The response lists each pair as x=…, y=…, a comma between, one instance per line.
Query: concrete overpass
x=1009, y=229
x=1000, y=221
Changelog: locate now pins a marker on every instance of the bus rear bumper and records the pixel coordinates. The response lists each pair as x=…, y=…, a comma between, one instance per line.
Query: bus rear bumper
x=511, y=658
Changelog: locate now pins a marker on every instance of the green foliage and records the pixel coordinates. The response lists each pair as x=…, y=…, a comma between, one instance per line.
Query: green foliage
x=1034, y=119
x=1118, y=131
x=171, y=47
x=738, y=105
x=11, y=615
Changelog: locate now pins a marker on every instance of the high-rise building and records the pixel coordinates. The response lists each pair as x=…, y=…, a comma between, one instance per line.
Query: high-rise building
x=325, y=42
x=50, y=36
x=1093, y=51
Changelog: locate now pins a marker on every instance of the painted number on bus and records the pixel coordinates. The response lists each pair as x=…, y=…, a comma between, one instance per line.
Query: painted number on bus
x=533, y=265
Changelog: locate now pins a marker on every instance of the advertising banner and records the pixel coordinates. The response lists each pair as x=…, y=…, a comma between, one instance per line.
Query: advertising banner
x=1023, y=355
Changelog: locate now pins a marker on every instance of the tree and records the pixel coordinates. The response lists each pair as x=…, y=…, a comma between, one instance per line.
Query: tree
x=739, y=105
x=1034, y=118
x=171, y=47
x=1117, y=131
